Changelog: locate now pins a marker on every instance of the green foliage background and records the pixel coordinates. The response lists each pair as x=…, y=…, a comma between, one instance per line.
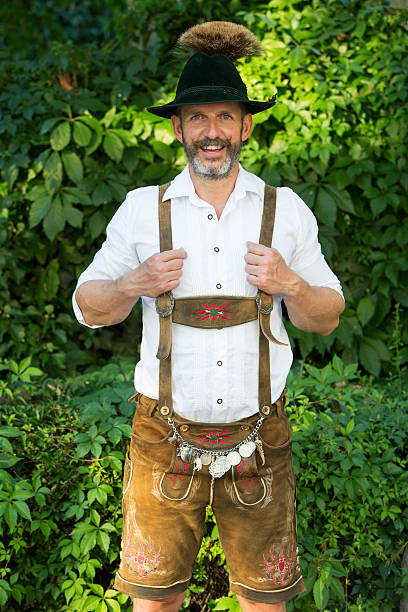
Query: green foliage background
x=75, y=139
x=62, y=449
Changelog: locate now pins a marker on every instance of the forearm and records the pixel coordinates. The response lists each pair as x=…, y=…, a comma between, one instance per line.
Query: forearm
x=313, y=309
x=105, y=302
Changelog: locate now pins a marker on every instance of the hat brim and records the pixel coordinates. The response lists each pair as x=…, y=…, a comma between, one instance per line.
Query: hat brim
x=209, y=97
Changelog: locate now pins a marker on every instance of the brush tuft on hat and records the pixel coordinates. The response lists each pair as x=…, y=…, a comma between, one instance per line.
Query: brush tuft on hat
x=221, y=37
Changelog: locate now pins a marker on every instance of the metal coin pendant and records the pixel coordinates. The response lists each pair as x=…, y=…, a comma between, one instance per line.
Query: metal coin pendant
x=219, y=467
x=187, y=454
x=234, y=458
x=246, y=450
x=205, y=459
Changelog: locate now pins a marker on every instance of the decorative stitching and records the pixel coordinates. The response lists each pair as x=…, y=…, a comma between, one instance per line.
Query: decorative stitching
x=141, y=561
x=263, y=590
x=153, y=586
x=280, y=566
x=213, y=312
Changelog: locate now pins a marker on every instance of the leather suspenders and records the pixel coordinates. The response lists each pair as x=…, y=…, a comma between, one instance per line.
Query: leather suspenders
x=241, y=310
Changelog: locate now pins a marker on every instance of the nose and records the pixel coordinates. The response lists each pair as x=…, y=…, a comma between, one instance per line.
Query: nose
x=212, y=130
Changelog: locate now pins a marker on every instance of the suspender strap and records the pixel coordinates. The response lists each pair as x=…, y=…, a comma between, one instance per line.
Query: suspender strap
x=265, y=304
x=164, y=304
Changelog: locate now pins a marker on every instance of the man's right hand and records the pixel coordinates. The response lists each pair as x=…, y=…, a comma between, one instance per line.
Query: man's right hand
x=106, y=302
x=159, y=273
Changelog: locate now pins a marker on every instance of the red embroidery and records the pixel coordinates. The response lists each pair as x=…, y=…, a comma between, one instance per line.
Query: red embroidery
x=280, y=566
x=246, y=482
x=177, y=478
x=141, y=561
x=213, y=312
x=212, y=437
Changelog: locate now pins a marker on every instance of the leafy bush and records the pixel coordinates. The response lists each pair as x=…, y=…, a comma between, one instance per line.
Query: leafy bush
x=75, y=138
x=62, y=446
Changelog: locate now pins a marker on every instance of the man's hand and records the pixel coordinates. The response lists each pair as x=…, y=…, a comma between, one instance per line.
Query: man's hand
x=159, y=273
x=267, y=270
x=106, y=302
x=313, y=309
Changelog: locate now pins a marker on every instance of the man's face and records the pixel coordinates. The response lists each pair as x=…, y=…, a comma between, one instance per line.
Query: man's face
x=212, y=136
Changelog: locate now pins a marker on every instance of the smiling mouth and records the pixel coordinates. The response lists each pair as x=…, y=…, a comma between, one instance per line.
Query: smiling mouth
x=212, y=151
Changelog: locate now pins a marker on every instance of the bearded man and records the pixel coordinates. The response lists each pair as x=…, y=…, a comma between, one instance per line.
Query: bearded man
x=211, y=255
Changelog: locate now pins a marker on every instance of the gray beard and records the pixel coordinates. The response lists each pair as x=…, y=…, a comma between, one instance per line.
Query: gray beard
x=209, y=171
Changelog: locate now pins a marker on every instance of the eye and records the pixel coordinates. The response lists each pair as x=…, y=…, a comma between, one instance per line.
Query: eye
x=226, y=116
x=196, y=117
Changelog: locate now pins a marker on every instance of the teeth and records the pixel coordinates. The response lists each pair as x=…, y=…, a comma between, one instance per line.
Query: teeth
x=210, y=148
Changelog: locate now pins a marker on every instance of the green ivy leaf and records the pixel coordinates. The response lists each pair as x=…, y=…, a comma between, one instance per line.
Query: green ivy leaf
x=11, y=174
x=113, y=146
x=369, y=358
x=23, y=509
x=7, y=460
x=103, y=540
x=54, y=221
x=48, y=124
x=53, y=173
x=72, y=215
x=325, y=208
x=365, y=310
x=102, y=194
x=10, y=432
x=320, y=594
x=10, y=516
x=73, y=166
x=97, y=224
x=163, y=150
x=60, y=136
x=82, y=134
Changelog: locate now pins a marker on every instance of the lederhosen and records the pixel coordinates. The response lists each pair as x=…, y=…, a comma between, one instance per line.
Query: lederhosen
x=207, y=312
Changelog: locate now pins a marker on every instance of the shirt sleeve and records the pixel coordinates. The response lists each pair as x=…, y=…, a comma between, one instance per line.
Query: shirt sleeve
x=117, y=255
x=308, y=260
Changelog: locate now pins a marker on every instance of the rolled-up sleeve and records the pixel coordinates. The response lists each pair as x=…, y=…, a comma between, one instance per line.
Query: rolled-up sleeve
x=117, y=255
x=308, y=260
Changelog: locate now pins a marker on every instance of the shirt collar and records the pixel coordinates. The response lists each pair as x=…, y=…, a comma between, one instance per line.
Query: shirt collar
x=182, y=186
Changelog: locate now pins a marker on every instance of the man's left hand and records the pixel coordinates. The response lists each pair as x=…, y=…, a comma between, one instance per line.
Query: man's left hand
x=267, y=270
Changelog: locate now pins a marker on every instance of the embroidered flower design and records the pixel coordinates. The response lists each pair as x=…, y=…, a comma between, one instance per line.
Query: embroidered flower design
x=214, y=436
x=177, y=478
x=141, y=561
x=280, y=566
x=243, y=479
x=213, y=312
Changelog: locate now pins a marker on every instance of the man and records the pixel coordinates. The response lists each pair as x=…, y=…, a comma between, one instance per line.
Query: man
x=218, y=394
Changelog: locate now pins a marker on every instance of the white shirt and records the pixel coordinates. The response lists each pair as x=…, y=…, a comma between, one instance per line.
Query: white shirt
x=210, y=365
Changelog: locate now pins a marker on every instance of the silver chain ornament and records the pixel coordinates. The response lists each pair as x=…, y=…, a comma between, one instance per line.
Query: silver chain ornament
x=220, y=461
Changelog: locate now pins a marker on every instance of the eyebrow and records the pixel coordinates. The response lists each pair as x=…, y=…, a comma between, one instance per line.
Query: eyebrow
x=200, y=112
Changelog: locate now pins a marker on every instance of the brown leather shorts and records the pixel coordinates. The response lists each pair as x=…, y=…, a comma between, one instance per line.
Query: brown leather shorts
x=165, y=499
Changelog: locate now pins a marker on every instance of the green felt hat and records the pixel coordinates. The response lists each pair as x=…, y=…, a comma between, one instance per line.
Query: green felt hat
x=210, y=75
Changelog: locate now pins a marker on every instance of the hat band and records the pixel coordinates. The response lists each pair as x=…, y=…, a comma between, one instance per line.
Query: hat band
x=220, y=88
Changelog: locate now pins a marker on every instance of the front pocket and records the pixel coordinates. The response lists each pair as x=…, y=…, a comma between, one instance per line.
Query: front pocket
x=249, y=486
x=275, y=432
x=127, y=474
x=175, y=484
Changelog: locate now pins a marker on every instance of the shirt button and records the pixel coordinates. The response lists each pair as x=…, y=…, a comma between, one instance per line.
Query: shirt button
x=218, y=285
x=219, y=363
x=219, y=401
x=216, y=249
x=210, y=216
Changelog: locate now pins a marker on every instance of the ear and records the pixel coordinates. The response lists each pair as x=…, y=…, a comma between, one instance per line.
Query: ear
x=176, y=123
x=247, y=124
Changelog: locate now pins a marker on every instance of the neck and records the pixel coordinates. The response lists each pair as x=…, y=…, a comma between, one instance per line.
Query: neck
x=217, y=192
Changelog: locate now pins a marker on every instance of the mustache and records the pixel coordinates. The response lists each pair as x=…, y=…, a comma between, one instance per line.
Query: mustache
x=214, y=142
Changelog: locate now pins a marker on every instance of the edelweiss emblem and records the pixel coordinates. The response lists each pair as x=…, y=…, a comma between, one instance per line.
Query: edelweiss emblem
x=212, y=437
x=213, y=312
